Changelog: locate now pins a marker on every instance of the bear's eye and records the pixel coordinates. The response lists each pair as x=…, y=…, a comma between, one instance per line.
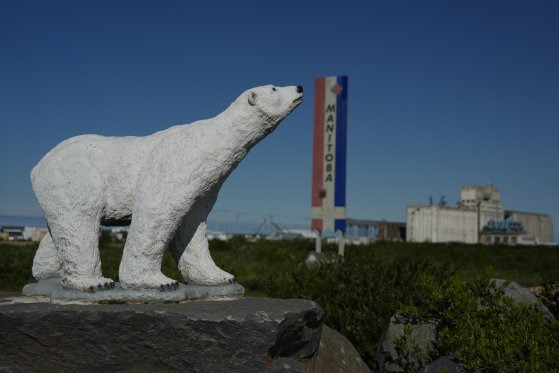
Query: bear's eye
x=273, y=88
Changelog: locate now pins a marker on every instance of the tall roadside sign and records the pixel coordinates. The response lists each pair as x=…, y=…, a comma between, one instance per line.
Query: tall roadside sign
x=329, y=157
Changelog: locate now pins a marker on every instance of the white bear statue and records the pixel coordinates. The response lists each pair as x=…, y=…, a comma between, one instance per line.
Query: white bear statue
x=164, y=185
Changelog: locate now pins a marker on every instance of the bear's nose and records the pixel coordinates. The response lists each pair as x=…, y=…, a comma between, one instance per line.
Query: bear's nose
x=299, y=89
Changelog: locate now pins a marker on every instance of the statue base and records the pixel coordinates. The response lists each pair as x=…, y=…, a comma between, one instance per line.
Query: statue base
x=53, y=290
x=243, y=335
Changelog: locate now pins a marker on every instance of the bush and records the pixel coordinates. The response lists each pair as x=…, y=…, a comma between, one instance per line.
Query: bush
x=484, y=328
x=550, y=297
x=253, y=262
x=15, y=265
x=358, y=294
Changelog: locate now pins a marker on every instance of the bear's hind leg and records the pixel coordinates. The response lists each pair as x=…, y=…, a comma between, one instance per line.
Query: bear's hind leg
x=195, y=261
x=190, y=246
x=77, y=237
x=46, y=263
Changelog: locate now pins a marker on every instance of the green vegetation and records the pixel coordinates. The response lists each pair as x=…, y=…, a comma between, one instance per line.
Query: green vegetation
x=360, y=293
x=482, y=327
x=527, y=265
x=15, y=265
x=411, y=356
x=251, y=262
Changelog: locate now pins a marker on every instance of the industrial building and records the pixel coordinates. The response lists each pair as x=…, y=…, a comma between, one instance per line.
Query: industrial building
x=538, y=227
x=18, y=233
x=366, y=231
x=479, y=217
x=439, y=223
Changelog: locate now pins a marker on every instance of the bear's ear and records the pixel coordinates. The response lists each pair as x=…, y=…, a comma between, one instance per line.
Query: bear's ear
x=252, y=98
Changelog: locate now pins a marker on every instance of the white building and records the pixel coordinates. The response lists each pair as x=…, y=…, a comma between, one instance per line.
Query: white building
x=486, y=200
x=479, y=212
x=34, y=233
x=437, y=223
x=538, y=228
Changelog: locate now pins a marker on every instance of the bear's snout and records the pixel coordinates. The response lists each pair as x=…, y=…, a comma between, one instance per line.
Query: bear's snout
x=299, y=89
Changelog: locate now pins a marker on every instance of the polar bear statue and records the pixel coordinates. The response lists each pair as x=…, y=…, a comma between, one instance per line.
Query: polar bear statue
x=164, y=185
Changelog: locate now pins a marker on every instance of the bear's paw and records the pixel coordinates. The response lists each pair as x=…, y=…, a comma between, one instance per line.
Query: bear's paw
x=207, y=275
x=149, y=281
x=90, y=284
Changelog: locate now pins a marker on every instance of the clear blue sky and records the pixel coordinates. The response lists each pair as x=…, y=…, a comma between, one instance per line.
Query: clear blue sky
x=441, y=93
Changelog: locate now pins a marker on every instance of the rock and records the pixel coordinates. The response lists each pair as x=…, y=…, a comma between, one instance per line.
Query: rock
x=53, y=289
x=245, y=335
x=448, y=364
x=337, y=354
x=520, y=294
x=314, y=259
x=423, y=332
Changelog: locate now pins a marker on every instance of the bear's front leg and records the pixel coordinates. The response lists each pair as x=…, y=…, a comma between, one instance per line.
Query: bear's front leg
x=140, y=267
x=196, y=264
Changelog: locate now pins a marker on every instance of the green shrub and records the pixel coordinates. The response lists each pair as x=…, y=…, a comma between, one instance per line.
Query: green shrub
x=361, y=293
x=550, y=296
x=15, y=265
x=411, y=357
x=252, y=262
x=483, y=327
x=358, y=294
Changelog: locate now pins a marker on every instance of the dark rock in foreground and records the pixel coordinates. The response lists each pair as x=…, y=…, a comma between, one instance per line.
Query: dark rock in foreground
x=246, y=335
x=338, y=355
x=448, y=364
x=423, y=332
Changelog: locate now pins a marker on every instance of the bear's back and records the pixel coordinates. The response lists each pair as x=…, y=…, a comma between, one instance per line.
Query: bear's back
x=91, y=152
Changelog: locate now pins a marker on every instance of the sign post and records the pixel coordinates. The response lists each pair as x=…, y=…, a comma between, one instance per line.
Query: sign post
x=329, y=158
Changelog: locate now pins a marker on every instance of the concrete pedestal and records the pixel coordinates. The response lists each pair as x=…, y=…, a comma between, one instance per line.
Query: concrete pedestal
x=244, y=335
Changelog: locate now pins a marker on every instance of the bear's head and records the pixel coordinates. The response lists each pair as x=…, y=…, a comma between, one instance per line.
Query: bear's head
x=274, y=103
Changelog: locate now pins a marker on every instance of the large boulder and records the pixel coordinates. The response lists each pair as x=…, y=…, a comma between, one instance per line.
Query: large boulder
x=338, y=355
x=423, y=333
x=246, y=335
x=447, y=364
x=520, y=294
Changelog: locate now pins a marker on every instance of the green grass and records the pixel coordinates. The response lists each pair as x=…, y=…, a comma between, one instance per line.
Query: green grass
x=527, y=265
x=358, y=294
x=253, y=262
x=482, y=327
x=15, y=265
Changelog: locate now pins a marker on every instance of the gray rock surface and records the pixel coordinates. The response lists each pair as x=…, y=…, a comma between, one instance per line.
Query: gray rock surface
x=520, y=294
x=338, y=355
x=447, y=364
x=424, y=334
x=314, y=259
x=53, y=289
x=245, y=335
